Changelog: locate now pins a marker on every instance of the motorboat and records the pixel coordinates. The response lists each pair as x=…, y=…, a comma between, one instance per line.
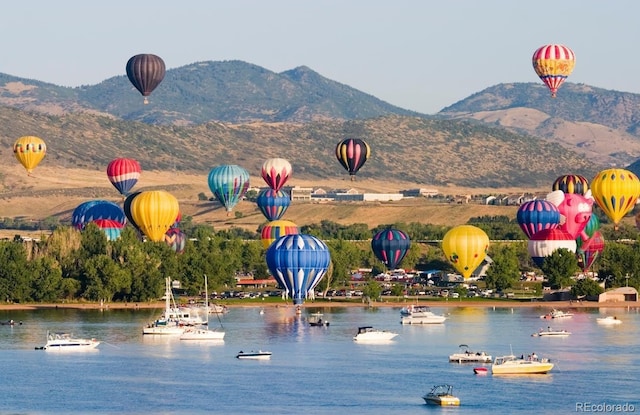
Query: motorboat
x=557, y=314
x=57, y=342
x=316, y=320
x=203, y=333
x=480, y=370
x=367, y=334
x=609, y=320
x=550, y=332
x=441, y=395
x=512, y=365
x=467, y=356
x=419, y=314
x=259, y=355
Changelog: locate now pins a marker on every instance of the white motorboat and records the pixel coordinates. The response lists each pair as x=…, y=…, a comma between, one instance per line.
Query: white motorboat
x=424, y=317
x=609, y=320
x=467, y=356
x=441, y=395
x=63, y=342
x=367, y=334
x=557, y=314
x=415, y=310
x=550, y=332
x=512, y=365
x=203, y=333
x=259, y=355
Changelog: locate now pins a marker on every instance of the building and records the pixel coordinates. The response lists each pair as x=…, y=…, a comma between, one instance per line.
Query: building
x=621, y=294
x=421, y=192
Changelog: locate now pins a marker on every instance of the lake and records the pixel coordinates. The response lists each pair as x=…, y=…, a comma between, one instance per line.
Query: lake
x=316, y=370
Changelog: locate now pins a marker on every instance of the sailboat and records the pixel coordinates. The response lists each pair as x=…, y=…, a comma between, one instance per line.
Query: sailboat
x=202, y=332
x=166, y=325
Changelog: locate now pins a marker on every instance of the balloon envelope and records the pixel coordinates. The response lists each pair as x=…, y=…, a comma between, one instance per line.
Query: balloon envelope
x=553, y=64
x=111, y=228
x=145, y=71
x=96, y=209
x=228, y=183
x=29, y=150
x=589, y=251
x=352, y=153
x=616, y=191
x=277, y=229
x=273, y=203
x=176, y=239
x=155, y=211
x=123, y=173
x=390, y=246
x=571, y=183
x=536, y=215
x=465, y=246
x=298, y=263
x=545, y=242
x=276, y=172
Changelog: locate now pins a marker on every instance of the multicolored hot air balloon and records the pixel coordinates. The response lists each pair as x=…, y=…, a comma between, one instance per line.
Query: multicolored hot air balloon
x=123, y=174
x=96, y=209
x=276, y=172
x=176, y=239
x=545, y=242
x=465, y=246
x=228, y=183
x=616, y=191
x=145, y=71
x=390, y=246
x=273, y=203
x=29, y=150
x=277, y=229
x=571, y=183
x=352, y=153
x=553, y=64
x=536, y=215
x=111, y=228
x=154, y=212
x=589, y=251
x=298, y=263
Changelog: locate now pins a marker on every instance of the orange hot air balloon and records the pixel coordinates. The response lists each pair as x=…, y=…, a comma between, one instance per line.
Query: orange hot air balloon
x=29, y=150
x=465, y=246
x=154, y=212
x=616, y=191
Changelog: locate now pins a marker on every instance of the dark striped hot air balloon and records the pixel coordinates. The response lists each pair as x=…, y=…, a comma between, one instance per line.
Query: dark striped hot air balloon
x=145, y=71
x=572, y=183
x=352, y=153
x=390, y=246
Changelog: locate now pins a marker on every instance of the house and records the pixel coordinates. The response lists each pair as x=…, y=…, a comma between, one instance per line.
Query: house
x=420, y=192
x=621, y=294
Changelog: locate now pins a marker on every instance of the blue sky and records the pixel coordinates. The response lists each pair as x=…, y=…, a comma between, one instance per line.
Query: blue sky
x=416, y=54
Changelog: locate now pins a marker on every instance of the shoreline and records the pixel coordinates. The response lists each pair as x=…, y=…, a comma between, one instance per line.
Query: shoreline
x=330, y=304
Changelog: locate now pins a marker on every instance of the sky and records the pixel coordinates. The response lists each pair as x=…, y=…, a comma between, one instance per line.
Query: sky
x=421, y=55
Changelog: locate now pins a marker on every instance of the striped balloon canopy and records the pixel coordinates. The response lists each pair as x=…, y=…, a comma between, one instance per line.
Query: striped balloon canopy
x=390, y=246
x=553, y=64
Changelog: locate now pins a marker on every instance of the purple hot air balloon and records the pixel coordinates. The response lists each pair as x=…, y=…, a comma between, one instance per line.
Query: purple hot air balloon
x=537, y=215
x=390, y=246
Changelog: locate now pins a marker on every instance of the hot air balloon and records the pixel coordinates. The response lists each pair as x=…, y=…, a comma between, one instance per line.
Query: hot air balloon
x=97, y=209
x=277, y=229
x=126, y=207
x=352, y=153
x=123, y=174
x=29, y=150
x=276, y=172
x=616, y=191
x=176, y=239
x=465, y=246
x=145, y=71
x=575, y=211
x=273, y=203
x=544, y=243
x=553, y=64
x=155, y=211
x=298, y=263
x=390, y=246
x=571, y=183
x=536, y=215
x=589, y=251
x=111, y=228
x=228, y=183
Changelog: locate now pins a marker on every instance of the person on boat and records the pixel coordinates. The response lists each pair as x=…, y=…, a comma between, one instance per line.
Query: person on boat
x=534, y=356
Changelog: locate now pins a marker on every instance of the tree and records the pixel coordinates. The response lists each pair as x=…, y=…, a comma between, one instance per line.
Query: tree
x=559, y=267
x=504, y=271
x=586, y=287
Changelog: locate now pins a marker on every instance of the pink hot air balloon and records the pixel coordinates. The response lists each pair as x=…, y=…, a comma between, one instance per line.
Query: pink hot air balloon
x=276, y=172
x=575, y=211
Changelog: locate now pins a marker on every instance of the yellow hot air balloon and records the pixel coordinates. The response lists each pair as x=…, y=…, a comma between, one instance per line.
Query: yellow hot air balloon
x=466, y=247
x=275, y=229
x=616, y=191
x=29, y=150
x=154, y=212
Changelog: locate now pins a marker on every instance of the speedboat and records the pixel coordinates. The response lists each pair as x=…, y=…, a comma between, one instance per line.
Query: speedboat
x=467, y=356
x=57, y=342
x=368, y=334
x=316, y=320
x=609, y=320
x=557, y=314
x=259, y=355
x=512, y=365
x=441, y=395
x=415, y=311
x=551, y=333
x=424, y=316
